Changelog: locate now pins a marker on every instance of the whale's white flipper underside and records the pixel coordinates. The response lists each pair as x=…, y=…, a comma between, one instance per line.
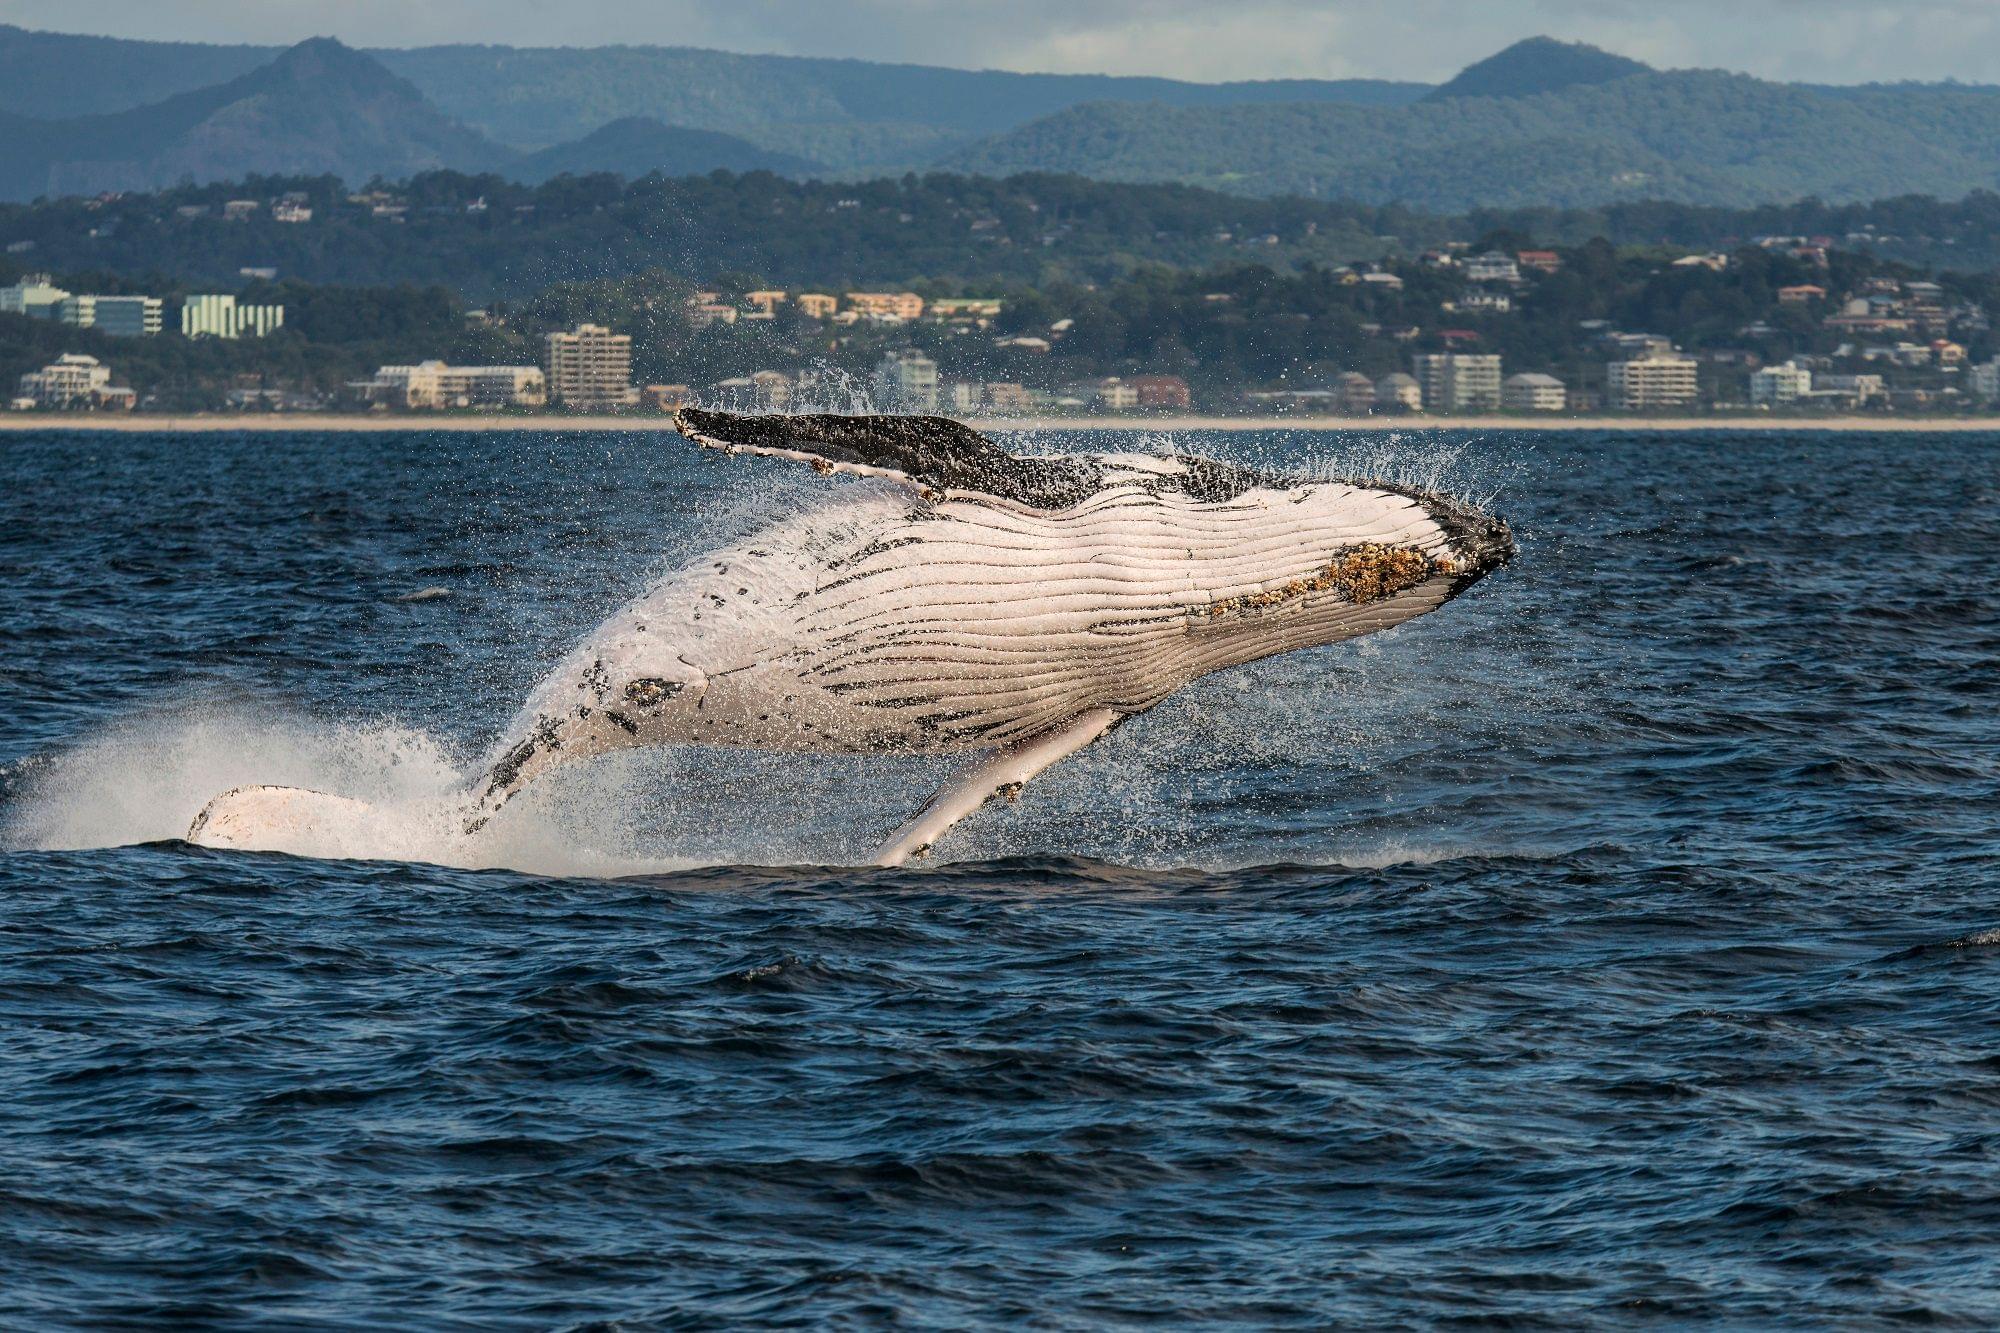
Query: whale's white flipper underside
x=1004, y=769
x=297, y=820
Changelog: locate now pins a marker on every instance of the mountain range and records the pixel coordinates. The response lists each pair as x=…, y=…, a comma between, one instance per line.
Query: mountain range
x=1543, y=123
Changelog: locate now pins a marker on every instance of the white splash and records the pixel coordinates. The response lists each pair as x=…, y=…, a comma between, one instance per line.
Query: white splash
x=146, y=778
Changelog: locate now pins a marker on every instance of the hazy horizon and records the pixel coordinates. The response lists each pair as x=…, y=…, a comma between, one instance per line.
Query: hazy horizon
x=1831, y=41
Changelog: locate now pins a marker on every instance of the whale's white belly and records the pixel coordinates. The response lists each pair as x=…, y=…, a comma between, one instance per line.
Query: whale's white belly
x=876, y=626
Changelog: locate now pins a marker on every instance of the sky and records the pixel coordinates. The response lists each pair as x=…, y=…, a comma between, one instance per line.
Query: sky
x=1828, y=41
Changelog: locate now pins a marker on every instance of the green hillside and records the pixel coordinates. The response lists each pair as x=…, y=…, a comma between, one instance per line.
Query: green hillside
x=636, y=146
x=1693, y=136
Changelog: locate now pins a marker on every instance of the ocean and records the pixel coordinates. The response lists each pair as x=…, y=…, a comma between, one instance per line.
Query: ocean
x=1619, y=944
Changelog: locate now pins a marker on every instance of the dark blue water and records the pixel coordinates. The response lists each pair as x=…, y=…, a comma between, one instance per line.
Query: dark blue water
x=1620, y=944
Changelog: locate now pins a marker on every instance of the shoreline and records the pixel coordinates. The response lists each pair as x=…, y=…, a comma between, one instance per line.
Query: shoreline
x=210, y=423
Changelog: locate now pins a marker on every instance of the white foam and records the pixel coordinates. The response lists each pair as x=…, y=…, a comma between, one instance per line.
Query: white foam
x=146, y=778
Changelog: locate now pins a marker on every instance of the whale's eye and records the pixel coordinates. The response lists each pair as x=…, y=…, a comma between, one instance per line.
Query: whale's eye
x=649, y=692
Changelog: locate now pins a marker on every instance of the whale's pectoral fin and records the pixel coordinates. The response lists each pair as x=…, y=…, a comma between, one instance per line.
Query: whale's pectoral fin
x=1005, y=769
x=933, y=455
x=285, y=819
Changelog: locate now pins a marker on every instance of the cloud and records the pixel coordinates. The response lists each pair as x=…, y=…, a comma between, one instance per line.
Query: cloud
x=1817, y=40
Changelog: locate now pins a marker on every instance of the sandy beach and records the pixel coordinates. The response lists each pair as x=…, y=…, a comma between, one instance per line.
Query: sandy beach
x=286, y=422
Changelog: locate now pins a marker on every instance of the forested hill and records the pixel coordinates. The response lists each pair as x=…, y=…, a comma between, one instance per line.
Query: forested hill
x=1538, y=65
x=1696, y=136
x=486, y=237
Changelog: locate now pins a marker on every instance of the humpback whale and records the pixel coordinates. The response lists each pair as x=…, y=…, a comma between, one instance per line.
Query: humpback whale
x=1014, y=607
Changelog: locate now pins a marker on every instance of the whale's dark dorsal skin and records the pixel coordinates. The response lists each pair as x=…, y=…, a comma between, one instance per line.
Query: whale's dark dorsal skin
x=929, y=452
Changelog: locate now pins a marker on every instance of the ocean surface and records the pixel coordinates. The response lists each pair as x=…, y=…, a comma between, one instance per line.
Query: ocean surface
x=1619, y=944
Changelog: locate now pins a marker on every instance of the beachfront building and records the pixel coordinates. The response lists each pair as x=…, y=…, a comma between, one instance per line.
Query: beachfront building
x=590, y=369
x=1353, y=394
x=1459, y=381
x=759, y=391
x=907, y=380
x=434, y=384
x=32, y=295
x=1164, y=393
x=1985, y=379
x=72, y=381
x=1399, y=393
x=217, y=315
x=1651, y=382
x=1780, y=386
x=1859, y=390
x=118, y=316
x=1533, y=393
x=1111, y=393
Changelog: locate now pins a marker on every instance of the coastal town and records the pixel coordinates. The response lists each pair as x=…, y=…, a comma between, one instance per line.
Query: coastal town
x=1838, y=340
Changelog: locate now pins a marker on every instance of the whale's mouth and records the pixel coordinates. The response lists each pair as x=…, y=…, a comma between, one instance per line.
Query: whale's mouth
x=1480, y=542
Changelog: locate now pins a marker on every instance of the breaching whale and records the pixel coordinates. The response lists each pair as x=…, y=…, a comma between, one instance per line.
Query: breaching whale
x=1019, y=607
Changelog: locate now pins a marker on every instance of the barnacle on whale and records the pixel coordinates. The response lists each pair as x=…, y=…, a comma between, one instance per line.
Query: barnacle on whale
x=1367, y=573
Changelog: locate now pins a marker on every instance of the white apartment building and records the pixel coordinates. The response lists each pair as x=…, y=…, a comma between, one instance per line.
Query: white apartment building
x=119, y=316
x=32, y=295
x=1493, y=266
x=1534, y=393
x=73, y=380
x=216, y=315
x=434, y=384
x=892, y=306
x=1777, y=386
x=591, y=367
x=1459, y=381
x=907, y=380
x=1662, y=379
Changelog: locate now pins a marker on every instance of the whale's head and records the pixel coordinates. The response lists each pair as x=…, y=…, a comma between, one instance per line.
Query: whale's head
x=603, y=698
x=1479, y=542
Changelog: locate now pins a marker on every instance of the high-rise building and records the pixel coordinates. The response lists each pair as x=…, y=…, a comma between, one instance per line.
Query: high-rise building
x=1660, y=379
x=1459, y=381
x=216, y=315
x=908, y=381
x=590, y=367
x=119, y=316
